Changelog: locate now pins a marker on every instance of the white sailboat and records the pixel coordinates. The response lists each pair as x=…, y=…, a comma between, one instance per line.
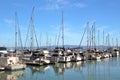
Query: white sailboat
x=63, y=57
x=32, y=56
x=44, y=56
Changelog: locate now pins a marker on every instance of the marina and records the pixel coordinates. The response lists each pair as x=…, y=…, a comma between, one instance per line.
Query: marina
x=59, y=40
x=106, y=69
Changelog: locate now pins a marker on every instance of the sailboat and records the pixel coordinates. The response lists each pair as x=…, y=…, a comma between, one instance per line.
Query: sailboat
x=44, y=56
x=60, y=54
x=30, y=55
x=12, y=61
x=35, y=56
x=63, y=57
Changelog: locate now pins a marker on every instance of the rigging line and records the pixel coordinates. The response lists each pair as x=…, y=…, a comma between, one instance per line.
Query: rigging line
x=36, y=38
x=83, y=36
x=62, y=30
x=58, y=36
x=27, y=35
x=19, y=32
x=40, y=40
x=18, y=40
x=55, y=40
x=16, y=30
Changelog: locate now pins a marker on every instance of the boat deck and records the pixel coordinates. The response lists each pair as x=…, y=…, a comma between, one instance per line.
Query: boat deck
x=35, y=64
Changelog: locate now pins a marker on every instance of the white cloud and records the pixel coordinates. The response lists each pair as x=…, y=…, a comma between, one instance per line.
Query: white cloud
x=51, y=7
x=64, y=2
x=54, y=4
x=79, y=5
x=9, y=21
x=59, y=4
x=57, y=1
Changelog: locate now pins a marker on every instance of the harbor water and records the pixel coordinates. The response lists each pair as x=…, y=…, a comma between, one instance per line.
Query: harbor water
x=105, y=69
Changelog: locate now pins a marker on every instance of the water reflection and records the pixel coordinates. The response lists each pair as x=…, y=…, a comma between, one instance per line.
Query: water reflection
x=36, y=72
x=106, y=69
x=11, y=75
x=60, y=68
x=40, y=69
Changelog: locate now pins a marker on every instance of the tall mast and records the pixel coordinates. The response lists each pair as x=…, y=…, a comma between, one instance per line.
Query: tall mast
x=40, y=39
x=98, y=39
x=16, y=31
x=108, y=40
x=103, y=38
x=116, y=43
x=18, y=40
x=94, y=35
x=55, y=41
x=88, y=36
x=32, y=29
x=113, y=43
x=31, y=35
x=47, y=40
x=62, y=31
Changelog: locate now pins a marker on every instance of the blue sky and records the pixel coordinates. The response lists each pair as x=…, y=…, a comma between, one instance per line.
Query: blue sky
x=47, y=19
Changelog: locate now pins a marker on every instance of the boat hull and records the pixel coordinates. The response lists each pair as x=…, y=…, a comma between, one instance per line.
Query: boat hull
x=15, y=67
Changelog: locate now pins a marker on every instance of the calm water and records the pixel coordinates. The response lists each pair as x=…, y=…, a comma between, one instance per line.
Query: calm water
x=107, y=69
